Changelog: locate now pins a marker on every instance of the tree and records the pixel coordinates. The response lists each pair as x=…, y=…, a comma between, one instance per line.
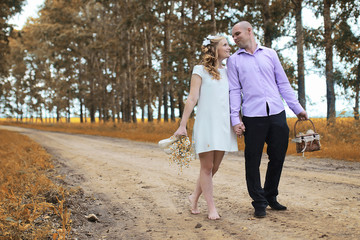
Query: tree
x=7, y=10
x=300, y=52
x=266, y=16
x=334, y=12
x=347, y=45
x=330, y=92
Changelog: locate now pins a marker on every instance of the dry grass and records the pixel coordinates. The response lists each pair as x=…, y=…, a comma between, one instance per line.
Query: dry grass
x=29, y=200
x=338, y=141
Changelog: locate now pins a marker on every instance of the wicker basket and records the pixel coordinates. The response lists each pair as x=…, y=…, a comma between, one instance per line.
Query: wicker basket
x=308, y=142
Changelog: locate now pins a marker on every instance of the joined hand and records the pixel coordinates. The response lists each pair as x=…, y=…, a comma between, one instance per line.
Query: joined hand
x=239, y=129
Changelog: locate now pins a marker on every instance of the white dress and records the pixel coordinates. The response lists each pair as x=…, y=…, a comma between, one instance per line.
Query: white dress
x=212, y=129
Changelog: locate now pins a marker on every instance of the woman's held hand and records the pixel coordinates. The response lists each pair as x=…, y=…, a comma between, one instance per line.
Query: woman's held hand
x=239, y=129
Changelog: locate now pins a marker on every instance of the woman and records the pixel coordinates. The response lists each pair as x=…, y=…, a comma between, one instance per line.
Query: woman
x=212, y=133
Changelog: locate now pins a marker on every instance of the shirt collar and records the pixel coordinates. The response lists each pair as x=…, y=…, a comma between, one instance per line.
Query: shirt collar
x=242, y=50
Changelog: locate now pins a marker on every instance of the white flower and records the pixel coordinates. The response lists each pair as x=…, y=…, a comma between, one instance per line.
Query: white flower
x=206, y=42
x=210, y=37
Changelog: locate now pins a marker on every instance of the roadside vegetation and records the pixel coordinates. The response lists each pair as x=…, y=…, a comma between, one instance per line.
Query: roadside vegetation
x=32, y=206
x=339, y=140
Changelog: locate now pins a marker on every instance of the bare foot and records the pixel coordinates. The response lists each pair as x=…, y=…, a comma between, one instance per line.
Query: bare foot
x=193, y=204
x=213, y=216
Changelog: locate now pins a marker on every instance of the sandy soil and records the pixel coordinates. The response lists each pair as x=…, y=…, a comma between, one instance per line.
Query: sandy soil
x=136, y=194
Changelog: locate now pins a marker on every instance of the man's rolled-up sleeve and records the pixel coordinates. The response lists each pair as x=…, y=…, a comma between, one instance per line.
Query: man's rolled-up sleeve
x=234, y=91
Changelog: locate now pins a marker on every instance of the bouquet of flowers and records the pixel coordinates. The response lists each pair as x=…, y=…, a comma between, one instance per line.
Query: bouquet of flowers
x=179, y=149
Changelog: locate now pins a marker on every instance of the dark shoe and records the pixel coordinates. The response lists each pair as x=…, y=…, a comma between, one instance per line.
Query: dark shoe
x=277, y=206
x=260, y=212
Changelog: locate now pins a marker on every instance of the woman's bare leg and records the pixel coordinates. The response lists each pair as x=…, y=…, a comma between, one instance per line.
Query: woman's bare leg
x=194, y=197
x=206, y=167
x=218, y=157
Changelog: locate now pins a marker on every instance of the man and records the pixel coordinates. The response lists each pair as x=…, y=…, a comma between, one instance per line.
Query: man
x=257, y=82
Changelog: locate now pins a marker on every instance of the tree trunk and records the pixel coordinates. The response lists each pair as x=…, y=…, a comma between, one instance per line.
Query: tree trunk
x=171, y=81
x=91, y=100
x=128, y=82
x=213, y=19
x=182, y=74
x=149, y=73
x=143, y=113
x=356, y=107
x=194, y=14
x=122, y=104
x=159, y=105
x=104, y=104
x=118, y=97
x=57, y=115
x=92, y=113
x=166, y=59
x=300, y=53
x=181, y=105
x=99, y=113
x=357, y=92
x=68, y=109
x=330, y=92
x=144, y=76
x=80, y=96
x=267, y=24
x=172, y=104
x=81, y=110
x=133, y=80
x=40, y=115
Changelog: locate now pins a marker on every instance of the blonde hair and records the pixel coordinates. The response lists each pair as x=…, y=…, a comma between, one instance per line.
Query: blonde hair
x=210, y=57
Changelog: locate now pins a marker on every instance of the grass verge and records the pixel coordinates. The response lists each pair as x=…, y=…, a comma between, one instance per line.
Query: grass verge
x=31, y=205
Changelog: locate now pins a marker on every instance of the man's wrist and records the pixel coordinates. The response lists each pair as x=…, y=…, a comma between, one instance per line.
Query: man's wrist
x=235, y=121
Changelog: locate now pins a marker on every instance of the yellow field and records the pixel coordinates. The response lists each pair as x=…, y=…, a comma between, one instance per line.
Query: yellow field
x=338, y=141
x=30, y=203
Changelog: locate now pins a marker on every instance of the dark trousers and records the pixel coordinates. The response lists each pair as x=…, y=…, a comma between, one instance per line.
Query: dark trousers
x=274, y=131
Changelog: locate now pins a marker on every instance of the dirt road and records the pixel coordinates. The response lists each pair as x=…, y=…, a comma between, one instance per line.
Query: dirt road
x=137, y=195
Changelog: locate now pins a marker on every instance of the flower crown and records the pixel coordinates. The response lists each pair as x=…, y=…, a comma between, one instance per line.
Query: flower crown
x=207, y=41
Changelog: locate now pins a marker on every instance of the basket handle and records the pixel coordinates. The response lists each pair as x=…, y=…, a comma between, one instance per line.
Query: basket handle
x=301, y=121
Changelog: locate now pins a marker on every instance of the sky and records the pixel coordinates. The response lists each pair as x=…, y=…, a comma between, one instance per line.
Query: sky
x=30, y=9
x=315, y=85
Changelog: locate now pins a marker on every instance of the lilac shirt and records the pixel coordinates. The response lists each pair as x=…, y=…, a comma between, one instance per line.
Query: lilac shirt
x=260, y=78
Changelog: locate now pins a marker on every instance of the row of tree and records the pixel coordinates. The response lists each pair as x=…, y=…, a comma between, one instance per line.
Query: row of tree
x=112, y=59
